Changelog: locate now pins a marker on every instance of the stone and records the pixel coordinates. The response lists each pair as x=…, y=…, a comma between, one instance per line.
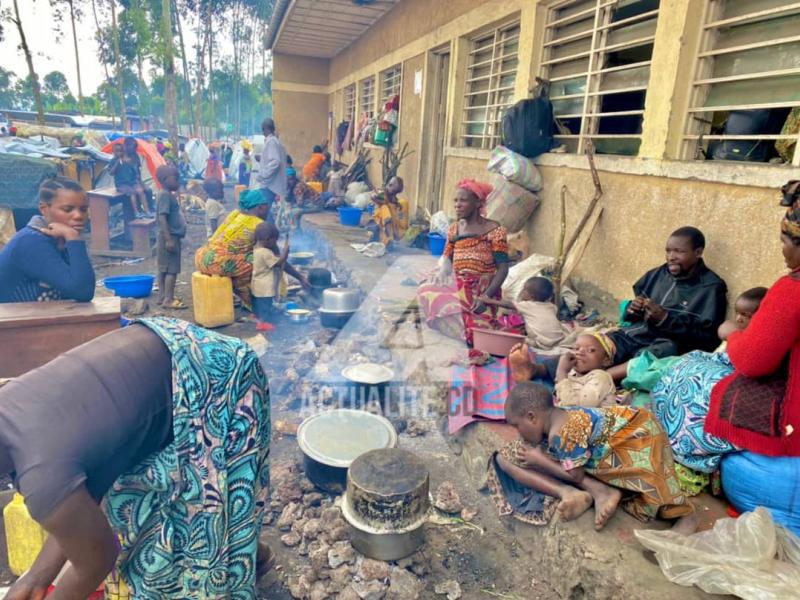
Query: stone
x=447, y=498
x=299, y=524
x=338, y=532
x=348, y=593
x=313, y=512
x=309, y=574
x=307, y=485
x=340, y=578
x=372, y=569
x=291, y=539
x=312, y=499
x=330, y=515
x=370, y=590
x=450, y=588
x=416, y=428
x=318, y=591
x=341, y=553
x=403, y=586
x=311, y=529
x=135, y=308
x=299, y=587
x=318, y=557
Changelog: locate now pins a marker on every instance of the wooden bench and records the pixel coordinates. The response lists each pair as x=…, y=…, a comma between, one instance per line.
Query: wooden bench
x=141, y=233
x=34, y=333
x=100, y=202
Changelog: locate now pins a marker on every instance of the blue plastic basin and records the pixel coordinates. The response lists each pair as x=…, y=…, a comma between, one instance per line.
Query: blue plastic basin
x=350, y=216
x=436, y=243
x=130, y=286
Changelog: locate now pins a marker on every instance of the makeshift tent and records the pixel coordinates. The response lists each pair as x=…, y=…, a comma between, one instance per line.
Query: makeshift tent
x=198, y=155
x=152, y=159
x=21, y=177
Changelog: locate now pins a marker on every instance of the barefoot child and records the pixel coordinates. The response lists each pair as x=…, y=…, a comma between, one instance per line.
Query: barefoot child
x=269, y=264
x=581, y=377
x=594, y=449
x=125, y=167
x=215, y=209
x=171, y=230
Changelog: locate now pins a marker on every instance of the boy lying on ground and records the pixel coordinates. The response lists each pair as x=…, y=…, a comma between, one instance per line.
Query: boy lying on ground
x=599, y=451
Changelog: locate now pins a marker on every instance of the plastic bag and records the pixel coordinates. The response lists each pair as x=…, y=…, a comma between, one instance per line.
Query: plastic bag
x=362, y=200
x=645, y=371
x=510, y=204
x=440, y=223
x=515, y=168
x=750, y=557
x=353, y=190
x=198, y=155
x=535, y=264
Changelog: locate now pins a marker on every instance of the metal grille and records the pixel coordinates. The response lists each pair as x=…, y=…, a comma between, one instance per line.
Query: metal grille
x=597, y=56
x=748, y=68
x=366, y=101
x=390, y=83
x=350, y=101
x=489, y=86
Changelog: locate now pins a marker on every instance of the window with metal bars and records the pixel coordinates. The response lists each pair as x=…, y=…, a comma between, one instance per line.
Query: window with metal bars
x=745, y=101
x=350, y=102
x=597, y=56
x=390, y=83
x=489, y=86
x=366, y=100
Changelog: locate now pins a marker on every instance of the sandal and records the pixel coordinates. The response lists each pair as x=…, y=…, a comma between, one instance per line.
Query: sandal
x=175, y=305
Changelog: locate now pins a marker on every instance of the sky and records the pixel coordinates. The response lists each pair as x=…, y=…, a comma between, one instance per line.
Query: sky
x=50, y=54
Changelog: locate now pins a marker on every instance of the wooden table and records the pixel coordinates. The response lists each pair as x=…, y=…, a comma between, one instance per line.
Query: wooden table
x=100, y=202
x=34, y=333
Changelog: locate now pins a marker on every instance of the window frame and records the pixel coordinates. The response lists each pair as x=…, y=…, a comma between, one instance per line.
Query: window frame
x=349, y=102
x=396, y=86
x=491, y=134
x=595, y=72
x=366, y=98
x=695, y=130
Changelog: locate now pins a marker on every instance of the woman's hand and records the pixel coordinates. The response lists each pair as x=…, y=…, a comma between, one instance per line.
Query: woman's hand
x=60, y=231
x=305, y=283
x=726, y=329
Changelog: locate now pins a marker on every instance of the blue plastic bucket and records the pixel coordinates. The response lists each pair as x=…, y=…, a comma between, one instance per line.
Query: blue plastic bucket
x=350, y=216
x=130, y=286
x=436, y=243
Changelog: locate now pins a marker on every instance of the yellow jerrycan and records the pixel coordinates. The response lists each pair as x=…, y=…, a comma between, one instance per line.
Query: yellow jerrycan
x=213, y=300
x=24, y=536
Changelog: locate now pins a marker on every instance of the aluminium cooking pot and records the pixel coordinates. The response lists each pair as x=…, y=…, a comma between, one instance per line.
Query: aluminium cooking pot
x=341, y=300
x=320, y=278
x=334, y=319
x=332, y=440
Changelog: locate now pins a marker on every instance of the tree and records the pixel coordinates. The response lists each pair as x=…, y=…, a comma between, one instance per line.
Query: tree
x=170, y=96
x=75, y=14
x=8, y=95
x=118, y=64
x=99, y=38
x=23, y=44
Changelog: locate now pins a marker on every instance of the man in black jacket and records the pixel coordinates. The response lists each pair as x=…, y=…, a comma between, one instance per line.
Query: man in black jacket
x=678, y=306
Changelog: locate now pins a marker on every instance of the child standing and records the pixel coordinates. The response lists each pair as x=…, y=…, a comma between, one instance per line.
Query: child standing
x=171, y=230
x=581, y=377
x=599, y=450
x=269, y=264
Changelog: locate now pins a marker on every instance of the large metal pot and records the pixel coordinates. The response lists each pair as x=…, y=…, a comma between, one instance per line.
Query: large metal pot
x=341, y=300
x=387, y=503
x=320, y=278
x=332, y=440
x=367, y=384
x=334, y=319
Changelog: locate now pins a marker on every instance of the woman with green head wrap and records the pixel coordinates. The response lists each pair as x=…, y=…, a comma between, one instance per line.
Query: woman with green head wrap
x=229, y=251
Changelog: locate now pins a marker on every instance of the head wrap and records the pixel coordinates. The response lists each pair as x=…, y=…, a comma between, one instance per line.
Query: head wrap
x=790, y=225
x=608, y=345
x=479, y=188
x=247, y=145
x=291, y=172
x=250, y=199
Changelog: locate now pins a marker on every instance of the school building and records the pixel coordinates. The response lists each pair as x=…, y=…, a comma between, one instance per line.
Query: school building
x=656, y=87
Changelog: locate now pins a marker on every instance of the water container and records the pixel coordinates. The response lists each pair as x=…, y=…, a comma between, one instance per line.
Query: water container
x=24, y=536
x=436, y=244
x=350, y=216
x=213, y=300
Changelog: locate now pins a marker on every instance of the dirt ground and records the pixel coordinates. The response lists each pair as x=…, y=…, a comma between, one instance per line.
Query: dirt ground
x=487, y=557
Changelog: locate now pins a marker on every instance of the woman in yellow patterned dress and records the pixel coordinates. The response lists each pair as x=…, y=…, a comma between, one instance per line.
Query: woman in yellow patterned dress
x=229, y=251
x=476, y=257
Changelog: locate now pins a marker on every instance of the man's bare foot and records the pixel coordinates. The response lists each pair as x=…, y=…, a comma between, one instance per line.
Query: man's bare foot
x=606, y=500
x=522, y=367
x=574, y=503
x=687, y=525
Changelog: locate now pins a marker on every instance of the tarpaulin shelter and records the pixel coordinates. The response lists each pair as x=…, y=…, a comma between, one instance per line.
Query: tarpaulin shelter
x=198, y=155
x=145, y=150
x=21, y=177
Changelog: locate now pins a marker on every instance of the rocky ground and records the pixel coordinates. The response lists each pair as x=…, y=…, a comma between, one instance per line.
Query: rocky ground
x=469, y=552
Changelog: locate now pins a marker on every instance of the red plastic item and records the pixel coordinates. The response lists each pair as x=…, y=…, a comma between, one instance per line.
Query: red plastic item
x=732, y=512
x=98, y=595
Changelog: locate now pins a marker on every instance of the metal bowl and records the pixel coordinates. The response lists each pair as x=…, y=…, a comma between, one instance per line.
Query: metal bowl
x=341, y=300
x=298, y=315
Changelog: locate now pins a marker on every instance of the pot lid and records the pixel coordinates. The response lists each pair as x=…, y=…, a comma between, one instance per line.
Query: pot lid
x=369, y=373
x=301, y=255
x=336, y=438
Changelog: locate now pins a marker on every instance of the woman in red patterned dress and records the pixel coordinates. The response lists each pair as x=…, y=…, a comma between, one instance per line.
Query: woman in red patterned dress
x=475, y=263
